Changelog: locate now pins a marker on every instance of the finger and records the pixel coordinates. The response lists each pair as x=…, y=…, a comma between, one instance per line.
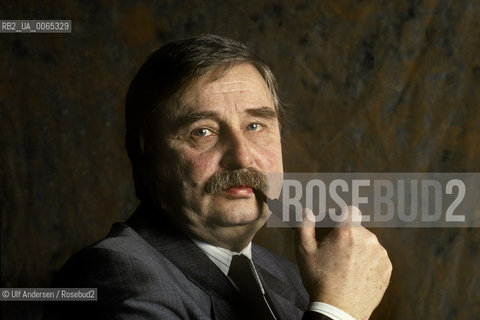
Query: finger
x=305, y=233
x=352, y=217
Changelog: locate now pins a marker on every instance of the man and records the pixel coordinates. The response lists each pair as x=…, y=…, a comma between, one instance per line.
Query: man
x=203, y=131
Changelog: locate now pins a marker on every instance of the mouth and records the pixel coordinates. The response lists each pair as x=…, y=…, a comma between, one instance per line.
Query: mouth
x=239, y=191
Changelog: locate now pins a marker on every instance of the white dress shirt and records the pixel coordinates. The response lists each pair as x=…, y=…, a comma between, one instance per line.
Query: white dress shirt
x=223, y=257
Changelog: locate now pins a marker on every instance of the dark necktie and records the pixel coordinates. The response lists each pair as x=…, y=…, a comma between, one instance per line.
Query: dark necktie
x=242, y=273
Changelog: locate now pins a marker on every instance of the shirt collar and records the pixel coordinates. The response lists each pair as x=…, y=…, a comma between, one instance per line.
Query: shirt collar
x=220, y=256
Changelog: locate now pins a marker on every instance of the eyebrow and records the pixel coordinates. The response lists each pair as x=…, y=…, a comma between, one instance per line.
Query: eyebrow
x=191, y=117
x=263, y=112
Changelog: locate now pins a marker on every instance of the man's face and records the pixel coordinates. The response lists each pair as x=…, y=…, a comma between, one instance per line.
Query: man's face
x=222, y=125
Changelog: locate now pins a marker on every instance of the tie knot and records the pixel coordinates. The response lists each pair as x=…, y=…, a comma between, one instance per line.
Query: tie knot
x=239, y=263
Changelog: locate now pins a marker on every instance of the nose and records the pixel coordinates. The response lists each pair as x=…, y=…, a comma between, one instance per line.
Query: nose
x=238, y=153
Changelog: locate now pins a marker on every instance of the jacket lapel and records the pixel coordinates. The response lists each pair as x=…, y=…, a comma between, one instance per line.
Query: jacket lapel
x=185, y=255
x=284, y=298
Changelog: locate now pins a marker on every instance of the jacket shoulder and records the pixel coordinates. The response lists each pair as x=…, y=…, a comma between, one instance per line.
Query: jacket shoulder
x=133, y=280
x=110, y=261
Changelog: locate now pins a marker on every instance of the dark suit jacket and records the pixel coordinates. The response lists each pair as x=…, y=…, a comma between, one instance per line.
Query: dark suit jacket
x=147, y=269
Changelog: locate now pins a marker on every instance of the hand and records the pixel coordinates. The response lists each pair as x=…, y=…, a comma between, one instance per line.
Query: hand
x=348, y=269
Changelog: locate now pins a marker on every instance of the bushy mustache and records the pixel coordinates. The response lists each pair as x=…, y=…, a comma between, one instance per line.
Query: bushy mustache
x=247, y=177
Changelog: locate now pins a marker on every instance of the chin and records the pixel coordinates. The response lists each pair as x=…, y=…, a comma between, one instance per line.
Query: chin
x=237, y=213
x=242, y=219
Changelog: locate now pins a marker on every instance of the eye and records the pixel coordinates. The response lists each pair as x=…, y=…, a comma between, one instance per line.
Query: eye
x=202, y=132
x=254, y=126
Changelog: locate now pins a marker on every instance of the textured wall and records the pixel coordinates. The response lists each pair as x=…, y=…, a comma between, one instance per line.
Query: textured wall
x=372, y=86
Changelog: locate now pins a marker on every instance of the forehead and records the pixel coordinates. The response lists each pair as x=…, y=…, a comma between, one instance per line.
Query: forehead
x=239, y=87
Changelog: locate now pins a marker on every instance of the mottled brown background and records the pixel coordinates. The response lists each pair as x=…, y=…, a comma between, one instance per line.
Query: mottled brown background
x=372, y=86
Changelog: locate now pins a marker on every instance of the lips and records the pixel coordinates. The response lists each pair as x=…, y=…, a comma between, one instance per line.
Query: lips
x=239, y=191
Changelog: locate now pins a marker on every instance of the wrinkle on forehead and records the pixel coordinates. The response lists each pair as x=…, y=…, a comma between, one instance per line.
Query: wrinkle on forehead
x=231, y=87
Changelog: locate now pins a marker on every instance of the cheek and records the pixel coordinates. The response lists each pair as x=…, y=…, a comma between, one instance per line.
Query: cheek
x=272, y=157
x=275, y=162
x=201, y=167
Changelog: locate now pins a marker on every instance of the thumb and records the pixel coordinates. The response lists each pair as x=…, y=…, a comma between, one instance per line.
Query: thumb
x=305, y=233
